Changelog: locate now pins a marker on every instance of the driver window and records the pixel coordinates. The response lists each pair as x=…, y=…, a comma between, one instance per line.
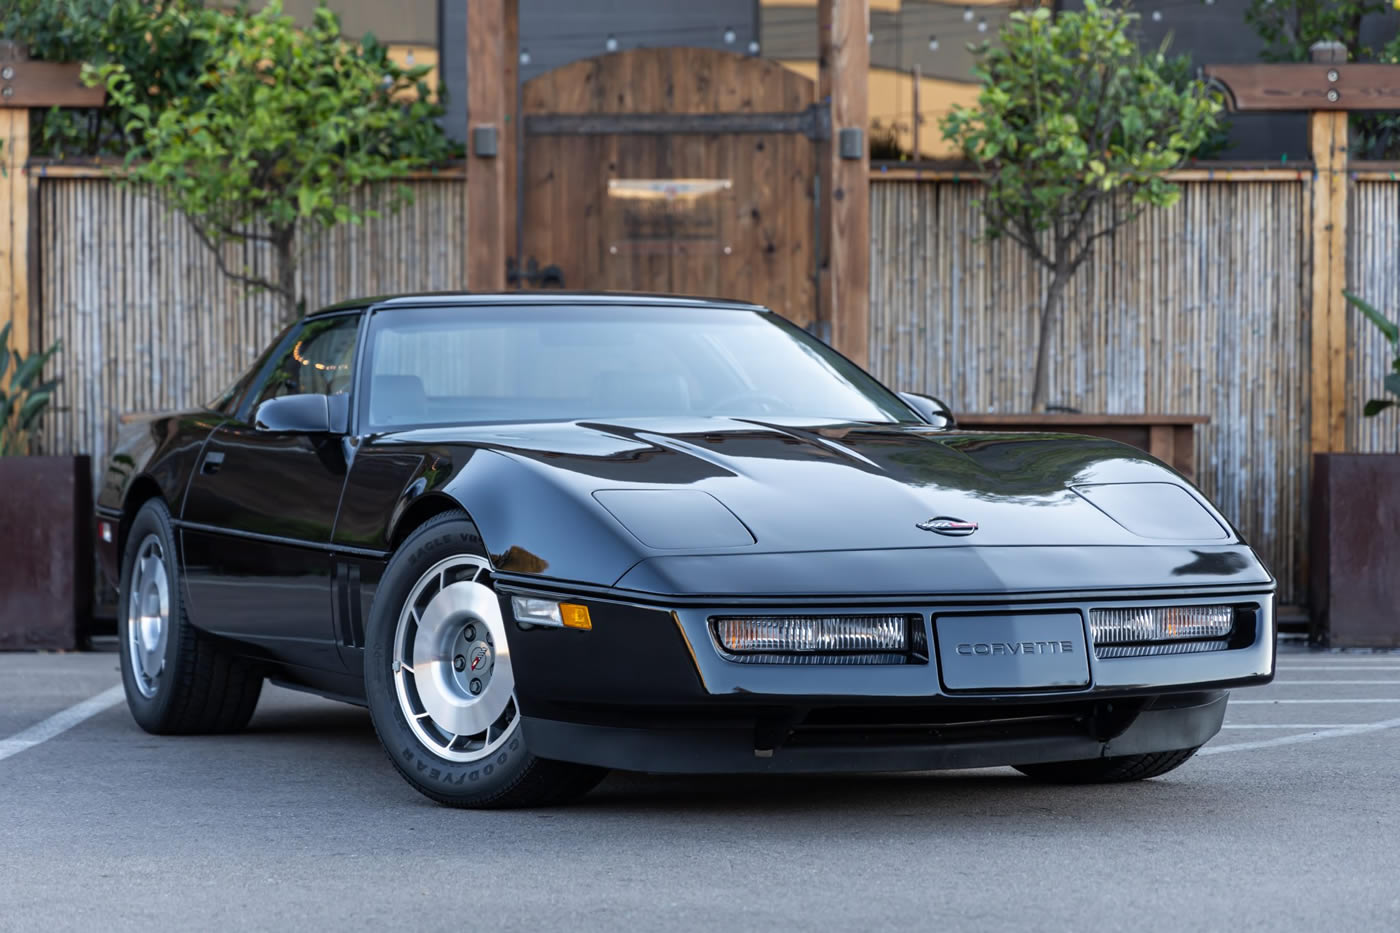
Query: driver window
x=316, y=361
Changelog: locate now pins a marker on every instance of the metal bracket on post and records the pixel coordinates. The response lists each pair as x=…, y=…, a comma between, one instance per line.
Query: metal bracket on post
x=851, y=142
x=485, y=145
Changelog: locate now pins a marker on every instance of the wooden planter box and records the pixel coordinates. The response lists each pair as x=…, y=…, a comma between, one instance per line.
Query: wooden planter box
x=1355, y=550
x=46, y=555
x=1169, y=438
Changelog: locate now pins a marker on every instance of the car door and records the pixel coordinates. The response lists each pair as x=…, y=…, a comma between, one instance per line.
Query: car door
x=261, y=506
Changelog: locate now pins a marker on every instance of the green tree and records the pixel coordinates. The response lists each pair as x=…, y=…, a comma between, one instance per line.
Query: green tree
x=1290, y=27
x=24, y=396
x=279, y=127
x=1075, y=129
x=1391, y=331
x=156, y=49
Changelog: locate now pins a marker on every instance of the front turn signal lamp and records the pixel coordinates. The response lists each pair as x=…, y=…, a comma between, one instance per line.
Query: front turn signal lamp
x=814, y=639
x=530, y=610
x=1149, y=630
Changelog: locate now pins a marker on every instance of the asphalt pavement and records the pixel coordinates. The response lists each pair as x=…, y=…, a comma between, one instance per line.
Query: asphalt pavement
x=1289, y=820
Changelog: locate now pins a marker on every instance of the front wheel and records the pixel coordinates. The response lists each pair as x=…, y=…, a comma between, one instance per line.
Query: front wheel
x=1108, y=770
x=178, y=679
x=440, y=683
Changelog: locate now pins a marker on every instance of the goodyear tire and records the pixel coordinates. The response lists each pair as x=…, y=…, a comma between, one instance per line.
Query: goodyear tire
x=439, y=681
x=178, y=679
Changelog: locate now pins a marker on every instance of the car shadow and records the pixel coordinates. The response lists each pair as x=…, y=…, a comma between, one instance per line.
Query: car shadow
x=327, y=735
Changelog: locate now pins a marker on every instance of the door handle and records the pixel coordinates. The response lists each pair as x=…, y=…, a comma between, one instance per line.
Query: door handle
x=212, y=461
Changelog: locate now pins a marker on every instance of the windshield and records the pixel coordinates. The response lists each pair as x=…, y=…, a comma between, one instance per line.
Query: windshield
x=434, y=366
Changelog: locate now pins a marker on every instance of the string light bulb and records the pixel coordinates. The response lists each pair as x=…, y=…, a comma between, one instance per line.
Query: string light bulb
x=933, y=43
x=982, y=25
x=524, y=56
x=1156, y=16
x=729, y=35
x=610, y=43
x=967, y=14
x=753, y=46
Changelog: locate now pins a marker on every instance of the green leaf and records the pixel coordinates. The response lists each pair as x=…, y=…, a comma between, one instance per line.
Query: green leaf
x=1387, y=327
x=1376, y=405
x=31, y=409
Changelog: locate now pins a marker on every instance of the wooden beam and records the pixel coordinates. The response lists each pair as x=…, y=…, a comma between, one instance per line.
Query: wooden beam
x=116, y=168
x=843, y=66
x=25, y=84
x=1292, y=175
x=486, y=171
x=1328, y=86
x=1327, y=132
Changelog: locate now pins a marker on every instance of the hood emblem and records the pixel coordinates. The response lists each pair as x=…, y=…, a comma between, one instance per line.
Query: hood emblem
x=945, y=525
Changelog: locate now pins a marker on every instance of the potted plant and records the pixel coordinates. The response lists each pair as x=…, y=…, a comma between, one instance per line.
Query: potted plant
x=46, y=514
x=1355, y=565
x=1074, y=132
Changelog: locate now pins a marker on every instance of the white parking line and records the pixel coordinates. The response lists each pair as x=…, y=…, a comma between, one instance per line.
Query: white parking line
x=1234, y=702
x=59, y=723
x=1292, y=725
x=1333, y=733
x=1394, y=681
x=1339, y=667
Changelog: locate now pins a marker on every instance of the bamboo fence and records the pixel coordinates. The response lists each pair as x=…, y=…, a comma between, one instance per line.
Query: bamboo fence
x=1197, y=309
x=148, y=322
x=1202, y=308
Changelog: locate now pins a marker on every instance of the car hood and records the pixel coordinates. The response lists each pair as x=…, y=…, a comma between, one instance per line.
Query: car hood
x=812, y=486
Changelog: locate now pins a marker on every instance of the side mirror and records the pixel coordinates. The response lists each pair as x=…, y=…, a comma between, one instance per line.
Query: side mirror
x=932, y=410
x=303, y=414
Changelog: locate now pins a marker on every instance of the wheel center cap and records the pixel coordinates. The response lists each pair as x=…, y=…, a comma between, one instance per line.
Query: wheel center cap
x=479, y=658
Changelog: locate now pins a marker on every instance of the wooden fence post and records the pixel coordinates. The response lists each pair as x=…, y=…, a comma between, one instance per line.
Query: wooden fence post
x=1327, y=134
x=14, y=206
x=490, y=139
x=843, y=66
x=26, y=84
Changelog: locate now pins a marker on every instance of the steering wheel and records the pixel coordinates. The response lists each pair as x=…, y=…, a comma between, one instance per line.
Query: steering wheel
x=771, y=404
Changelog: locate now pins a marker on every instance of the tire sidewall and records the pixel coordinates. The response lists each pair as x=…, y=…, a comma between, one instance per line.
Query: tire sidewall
x=451, y=535
x=153, y=518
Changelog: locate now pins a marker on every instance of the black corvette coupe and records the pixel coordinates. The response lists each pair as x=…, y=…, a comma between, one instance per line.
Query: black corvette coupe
x=543, y=535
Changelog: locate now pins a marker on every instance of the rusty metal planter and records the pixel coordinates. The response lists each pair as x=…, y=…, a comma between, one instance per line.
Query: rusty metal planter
x=1355, y=550
x=46, y=555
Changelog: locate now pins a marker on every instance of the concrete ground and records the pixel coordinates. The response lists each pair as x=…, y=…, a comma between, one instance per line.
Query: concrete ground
x=1290, y=820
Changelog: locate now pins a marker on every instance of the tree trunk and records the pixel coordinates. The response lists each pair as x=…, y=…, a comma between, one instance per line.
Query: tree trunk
x=1049, y=321
x=286, y=272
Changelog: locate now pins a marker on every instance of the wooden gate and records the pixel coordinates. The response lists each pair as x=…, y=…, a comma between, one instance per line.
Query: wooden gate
x=691, y=171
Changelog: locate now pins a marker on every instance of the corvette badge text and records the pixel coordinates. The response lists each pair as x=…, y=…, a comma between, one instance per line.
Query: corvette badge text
x=1017, y=647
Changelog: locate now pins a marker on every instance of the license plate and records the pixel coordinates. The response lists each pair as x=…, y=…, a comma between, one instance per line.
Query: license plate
x=1034, y=651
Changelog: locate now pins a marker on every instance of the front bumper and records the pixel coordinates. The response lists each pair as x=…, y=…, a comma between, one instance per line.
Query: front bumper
x=1167, y=724
x=646, y=689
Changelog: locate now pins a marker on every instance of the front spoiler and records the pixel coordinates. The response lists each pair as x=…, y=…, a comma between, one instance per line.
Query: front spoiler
x=1190, y=721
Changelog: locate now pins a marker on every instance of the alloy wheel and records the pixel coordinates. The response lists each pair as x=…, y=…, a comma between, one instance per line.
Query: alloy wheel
x=451, y=662
x=148, y=615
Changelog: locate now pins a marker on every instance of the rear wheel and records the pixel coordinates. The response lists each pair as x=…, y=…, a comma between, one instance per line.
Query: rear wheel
x=1108, y=770
x=440, y=682
x=178, y=680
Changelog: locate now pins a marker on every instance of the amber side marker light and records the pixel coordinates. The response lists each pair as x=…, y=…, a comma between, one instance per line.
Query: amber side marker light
x=575, y=616
x=530, y=610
